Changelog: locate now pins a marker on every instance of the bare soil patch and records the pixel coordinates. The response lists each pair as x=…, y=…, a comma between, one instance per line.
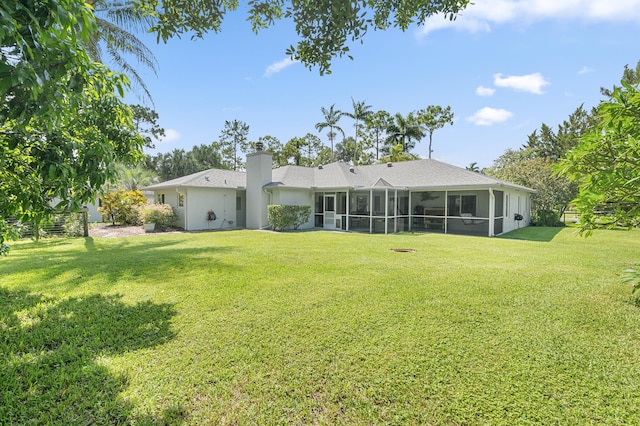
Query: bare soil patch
x=107, y=230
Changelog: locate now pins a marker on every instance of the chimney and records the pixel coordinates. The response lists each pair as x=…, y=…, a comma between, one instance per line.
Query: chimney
x=259, y=169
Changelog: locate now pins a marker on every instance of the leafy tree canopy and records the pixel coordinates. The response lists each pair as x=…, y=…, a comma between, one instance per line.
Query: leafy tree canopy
x=606, y=164
x=62, y=123
x=325, y=27
x=554, y=145
x=524, y=167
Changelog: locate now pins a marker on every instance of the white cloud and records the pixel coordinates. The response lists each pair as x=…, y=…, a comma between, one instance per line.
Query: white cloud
x=488, y=116
x=532, y=83
x=585, y=70
x=170, y=135
x=484, y=14
x=279, y=66
x=485, y=91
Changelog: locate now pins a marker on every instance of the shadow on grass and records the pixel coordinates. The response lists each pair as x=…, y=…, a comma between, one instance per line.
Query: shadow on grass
x=533, y=233
x=51, y=369
x=108, y=261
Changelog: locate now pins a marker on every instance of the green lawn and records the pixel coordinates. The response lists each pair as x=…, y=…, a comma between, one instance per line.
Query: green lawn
x=247, y=327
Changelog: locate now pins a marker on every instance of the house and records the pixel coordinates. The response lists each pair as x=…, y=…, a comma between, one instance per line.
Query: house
x=419, y=195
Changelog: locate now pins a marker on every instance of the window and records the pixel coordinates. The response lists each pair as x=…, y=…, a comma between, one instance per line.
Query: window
x=507, y=203
x=160, y=199
x=180, y=199
x=329, y=203
x=459, y=204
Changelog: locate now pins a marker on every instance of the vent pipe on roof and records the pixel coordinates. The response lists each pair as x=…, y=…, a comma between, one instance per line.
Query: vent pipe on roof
x=320, y=167
x=389, y=164
x=352, y=169
x=259, y=146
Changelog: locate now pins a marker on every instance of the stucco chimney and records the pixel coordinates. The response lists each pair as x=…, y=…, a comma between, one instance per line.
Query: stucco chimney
x=259, y=168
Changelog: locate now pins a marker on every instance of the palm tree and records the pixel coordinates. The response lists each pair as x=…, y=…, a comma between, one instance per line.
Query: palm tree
x=397, y=154
x=360, y=112
x=134, y=178
x=116, y=20
x=473, y=167
x=331, y=118
x=403, y=130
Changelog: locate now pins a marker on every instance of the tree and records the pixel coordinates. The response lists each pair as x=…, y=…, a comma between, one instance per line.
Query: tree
x=404, y=130
x=62, y=123
x=145, y=121
x=180, y=163
x=553, y=193
x=325, y=27
x=432, y=118
x=554, y=145
x=629, y=75
x=204, y=157
x=275, y=147
x=233, y=138
x=606, y=164
x=345, y=150
x=116, y=19
x=360, y=112
x=376, y=125
x=134, y=178
x=293, y=150
x=331, y=118
x=473, y=167
x=397, y=154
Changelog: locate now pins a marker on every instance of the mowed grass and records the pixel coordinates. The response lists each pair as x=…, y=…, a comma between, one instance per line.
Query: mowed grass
x=248, y=327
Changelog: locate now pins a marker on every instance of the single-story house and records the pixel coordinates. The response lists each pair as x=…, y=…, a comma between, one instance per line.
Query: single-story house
x=419, y=195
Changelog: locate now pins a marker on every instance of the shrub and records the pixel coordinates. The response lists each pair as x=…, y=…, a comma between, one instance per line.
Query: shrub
x=283, y=217
x=545, y=217
x=119, y=207
x=162, y=215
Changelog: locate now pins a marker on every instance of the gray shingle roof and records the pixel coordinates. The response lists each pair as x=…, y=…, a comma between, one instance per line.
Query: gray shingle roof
x=417, y=174
x=212, y=178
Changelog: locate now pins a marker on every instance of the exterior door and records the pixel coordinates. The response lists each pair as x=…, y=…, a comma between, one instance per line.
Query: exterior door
x=329, y=211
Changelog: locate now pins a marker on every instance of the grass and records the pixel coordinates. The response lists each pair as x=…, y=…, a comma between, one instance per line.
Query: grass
x=247, y=327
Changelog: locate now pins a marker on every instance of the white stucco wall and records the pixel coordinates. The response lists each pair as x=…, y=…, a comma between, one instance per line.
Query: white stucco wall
x=197, y=202
x=294, y=197
x=516, y=202
x=200, y=200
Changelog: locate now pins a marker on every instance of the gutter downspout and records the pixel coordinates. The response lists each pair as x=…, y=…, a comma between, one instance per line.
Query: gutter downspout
x=492, y=212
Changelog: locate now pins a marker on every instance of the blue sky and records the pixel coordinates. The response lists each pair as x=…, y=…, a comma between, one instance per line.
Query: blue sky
x=504, y=66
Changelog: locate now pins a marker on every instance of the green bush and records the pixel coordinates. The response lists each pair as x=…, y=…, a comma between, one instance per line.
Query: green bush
x=284, y=217
x=162, y=215
x=545, y=217
x=121, y=206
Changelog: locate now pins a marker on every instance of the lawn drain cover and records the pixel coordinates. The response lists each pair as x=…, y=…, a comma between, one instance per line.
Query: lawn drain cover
x=403, y=250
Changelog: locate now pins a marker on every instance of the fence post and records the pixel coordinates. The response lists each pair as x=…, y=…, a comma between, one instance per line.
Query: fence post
x=85, y=220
